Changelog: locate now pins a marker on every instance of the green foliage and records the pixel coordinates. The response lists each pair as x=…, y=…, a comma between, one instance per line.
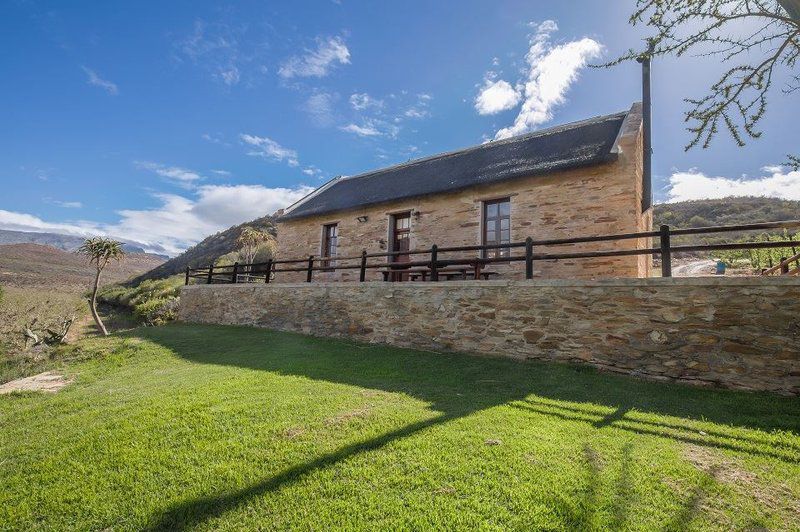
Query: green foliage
x=154, y=302
x=259, y=254
x=265, y=251
x=727, y=211
x=101, y=250
x=157, y=311
x=759, y=259
x=228, y=259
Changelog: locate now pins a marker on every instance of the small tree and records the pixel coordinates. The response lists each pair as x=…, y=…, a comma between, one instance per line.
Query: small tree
x=250, y=241
x=754, y=38
x=100, y=252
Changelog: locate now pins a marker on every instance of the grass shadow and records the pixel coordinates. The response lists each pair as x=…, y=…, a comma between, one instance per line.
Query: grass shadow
x=457, y=385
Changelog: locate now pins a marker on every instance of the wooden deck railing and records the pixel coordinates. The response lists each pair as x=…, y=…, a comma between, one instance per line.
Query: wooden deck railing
x=434, y=264
x=784, y=267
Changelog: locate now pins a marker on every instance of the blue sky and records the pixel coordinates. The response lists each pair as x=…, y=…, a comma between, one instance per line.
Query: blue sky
x=163, y=122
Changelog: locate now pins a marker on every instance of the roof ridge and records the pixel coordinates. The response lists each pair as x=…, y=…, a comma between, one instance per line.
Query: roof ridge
x=525, y=136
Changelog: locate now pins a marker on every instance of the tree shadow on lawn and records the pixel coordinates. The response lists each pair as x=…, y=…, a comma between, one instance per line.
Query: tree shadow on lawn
x=457, y=385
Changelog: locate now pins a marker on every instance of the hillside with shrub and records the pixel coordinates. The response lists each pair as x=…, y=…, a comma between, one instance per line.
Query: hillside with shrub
x=208, y=251
x=726, y=211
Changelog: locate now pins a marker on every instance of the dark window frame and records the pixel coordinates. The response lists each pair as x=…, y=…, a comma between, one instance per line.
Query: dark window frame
x=330, y=243
x=394, y=232
x=497, y=232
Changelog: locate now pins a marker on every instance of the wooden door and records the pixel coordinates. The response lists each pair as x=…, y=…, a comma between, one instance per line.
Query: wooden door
x=401, y=241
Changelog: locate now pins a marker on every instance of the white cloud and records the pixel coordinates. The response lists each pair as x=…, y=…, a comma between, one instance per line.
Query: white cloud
x=230, y=76
x=97, y=81
x=224, y=206
x=361, y=101
x=420, y=108
x=177, y=222
x=19, y=221
x=269, y=149
x=367, y=130
x=228, y=52
x=69, y=204
x=176, y=174
x=317, y=63
x=319, y=107
x=63, y=204
x=552, y=70
x=223, y=173
x=772, y=168
x=312, y=171
x=215, y=139
x=693, y=184
x=372, y=128
x=496, y=96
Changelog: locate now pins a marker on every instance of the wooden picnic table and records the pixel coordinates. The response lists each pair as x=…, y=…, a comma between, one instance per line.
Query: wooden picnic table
x=474, y=270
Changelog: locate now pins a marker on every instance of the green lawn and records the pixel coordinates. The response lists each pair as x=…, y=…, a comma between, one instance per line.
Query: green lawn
x=234, y=428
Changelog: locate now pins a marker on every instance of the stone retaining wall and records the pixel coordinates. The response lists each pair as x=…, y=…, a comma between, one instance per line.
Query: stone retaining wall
x=736, y=333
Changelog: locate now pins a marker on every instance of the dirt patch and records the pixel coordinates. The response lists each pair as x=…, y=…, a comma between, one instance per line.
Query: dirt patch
x=346, y=417
x=293, y=432
x=719, y=467
x=43, y=382
x=729, y=471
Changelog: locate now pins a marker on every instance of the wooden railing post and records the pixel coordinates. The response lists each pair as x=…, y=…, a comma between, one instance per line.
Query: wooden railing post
x=784, y=265
x=187, y=277
x=210, y=274
x=310, y=268
x=363, y=274
x=269, y=271
x=434, y=263
x=235, y=273
x=529, y=258
x=666, y=253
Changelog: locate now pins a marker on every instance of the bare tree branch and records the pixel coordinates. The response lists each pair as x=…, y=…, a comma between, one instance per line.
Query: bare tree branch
x=724, y=29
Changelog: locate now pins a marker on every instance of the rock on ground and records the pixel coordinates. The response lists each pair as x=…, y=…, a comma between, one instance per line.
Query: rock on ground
x=43, y=382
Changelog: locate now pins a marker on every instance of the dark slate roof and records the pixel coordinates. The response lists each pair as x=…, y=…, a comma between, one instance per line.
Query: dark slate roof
x=585, y=143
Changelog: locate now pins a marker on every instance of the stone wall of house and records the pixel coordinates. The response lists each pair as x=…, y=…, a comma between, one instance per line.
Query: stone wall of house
x=604, y=199
x=735, y=332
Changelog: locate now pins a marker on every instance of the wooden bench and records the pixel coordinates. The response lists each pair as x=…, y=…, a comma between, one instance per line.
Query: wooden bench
x=423, y=274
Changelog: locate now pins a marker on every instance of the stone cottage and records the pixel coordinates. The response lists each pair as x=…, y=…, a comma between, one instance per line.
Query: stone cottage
x=579, y=179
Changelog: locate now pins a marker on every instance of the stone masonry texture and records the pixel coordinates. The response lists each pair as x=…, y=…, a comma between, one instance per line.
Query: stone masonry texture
x=741, y=333
x=597, y=200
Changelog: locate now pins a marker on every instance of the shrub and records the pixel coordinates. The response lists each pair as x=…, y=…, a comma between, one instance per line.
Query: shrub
x=157, y=311
x=228, y=259
x=153, y=301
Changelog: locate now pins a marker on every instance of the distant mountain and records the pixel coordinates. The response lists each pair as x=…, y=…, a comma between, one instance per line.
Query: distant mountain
x=35, y=265
x=207, y=251
x=56, y=240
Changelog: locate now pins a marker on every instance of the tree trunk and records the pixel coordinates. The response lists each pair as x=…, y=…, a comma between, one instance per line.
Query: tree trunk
x=93, y=304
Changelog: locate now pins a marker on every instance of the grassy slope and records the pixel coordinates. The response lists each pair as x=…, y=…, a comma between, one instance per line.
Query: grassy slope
x=231, y=428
